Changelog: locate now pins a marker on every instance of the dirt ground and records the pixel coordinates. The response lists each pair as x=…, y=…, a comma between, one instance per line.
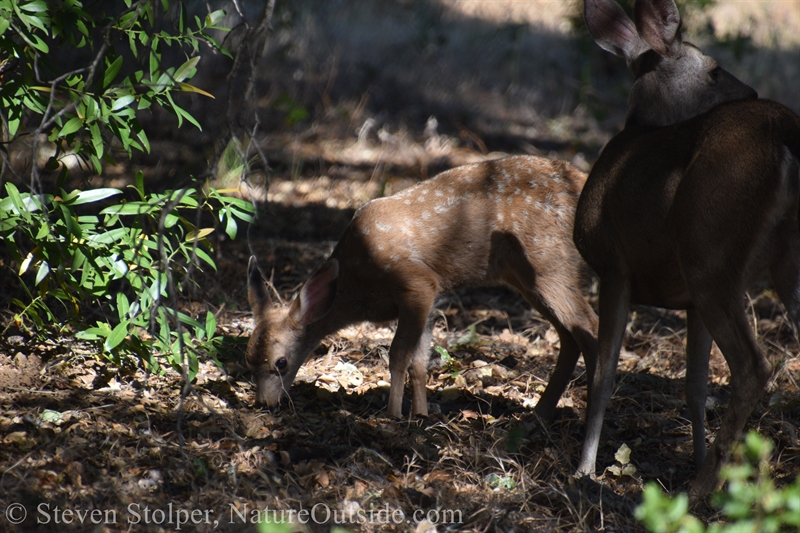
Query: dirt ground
x=87, y=446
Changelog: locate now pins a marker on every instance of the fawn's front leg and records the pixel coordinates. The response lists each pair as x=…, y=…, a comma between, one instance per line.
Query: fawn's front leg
x=410, y=346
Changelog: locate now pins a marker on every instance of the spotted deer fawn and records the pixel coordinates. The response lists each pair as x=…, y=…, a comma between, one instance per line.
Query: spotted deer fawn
x=696, y=198
x=502, y=221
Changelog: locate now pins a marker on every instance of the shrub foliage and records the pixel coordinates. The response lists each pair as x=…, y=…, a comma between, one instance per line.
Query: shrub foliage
x=105, y=264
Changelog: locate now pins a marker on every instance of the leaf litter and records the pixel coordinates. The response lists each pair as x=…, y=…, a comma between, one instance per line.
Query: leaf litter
x=80, y=435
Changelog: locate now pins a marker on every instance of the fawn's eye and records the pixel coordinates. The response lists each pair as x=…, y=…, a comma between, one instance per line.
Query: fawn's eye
x=715, y=74
x=281, y=363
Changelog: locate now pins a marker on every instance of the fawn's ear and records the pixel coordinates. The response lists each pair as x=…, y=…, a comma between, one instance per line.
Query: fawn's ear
x=257, y=293
x=612, y=30
x=659, y=24
x=317, y=295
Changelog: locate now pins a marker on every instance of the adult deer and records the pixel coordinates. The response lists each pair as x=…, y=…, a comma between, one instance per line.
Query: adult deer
x=502, y=221
x=693, y=201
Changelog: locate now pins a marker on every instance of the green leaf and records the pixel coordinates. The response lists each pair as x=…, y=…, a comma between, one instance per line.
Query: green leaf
x=211, y=324
x=155, y=58
x=230, y=227
x=36, y=6
x=98, y=167
x=188, y=320
x=112, y=71
x=82, y=27
x=170, y=220
x=129, y=208
x=34, y=20
x=44, y=270
x=158, y=287
x=97, y=139
x=217, y=46
x=244, y=205
x=186, y=70
x=186, y=197
x=182, y=18
x=137, y=129
x=91, y=109
x=92, y=334
x=73, y=228
x=72, y=125
x=140, y=183
x=92, y=195
x=123, y=101
x=182, y=113
x=132, y=44
x=205, y=257
x=37, y=42
x=123, y=306
x=108, y=237
x=241, y=215
x=117, y=335
x=214, y=17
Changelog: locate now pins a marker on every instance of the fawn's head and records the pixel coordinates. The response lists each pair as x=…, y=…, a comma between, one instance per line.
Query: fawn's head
x=279, y=343
x=674, y=81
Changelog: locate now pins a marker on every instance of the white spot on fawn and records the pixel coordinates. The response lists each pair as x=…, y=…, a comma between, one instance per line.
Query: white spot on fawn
x=380, y=226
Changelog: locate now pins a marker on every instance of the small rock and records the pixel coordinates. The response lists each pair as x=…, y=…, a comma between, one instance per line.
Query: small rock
x=15, y=340
x=20, y=360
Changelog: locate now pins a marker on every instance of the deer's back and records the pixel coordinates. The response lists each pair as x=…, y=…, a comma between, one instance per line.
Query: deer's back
x=458, y=228
x=713, y=170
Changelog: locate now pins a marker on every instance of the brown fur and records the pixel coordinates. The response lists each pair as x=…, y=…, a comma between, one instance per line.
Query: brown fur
x=687, y=216
x=502, y=221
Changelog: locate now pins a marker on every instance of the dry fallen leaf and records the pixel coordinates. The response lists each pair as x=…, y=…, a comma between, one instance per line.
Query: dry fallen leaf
x=623, y=455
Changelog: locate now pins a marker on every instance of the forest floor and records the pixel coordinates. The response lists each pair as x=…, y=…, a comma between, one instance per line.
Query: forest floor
x=79, y=435
x=87, y=446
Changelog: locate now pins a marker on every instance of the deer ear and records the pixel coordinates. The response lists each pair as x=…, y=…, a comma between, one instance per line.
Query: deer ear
x=611, y=29
x=257, y=293
x=659, y=24
x=317, y=295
